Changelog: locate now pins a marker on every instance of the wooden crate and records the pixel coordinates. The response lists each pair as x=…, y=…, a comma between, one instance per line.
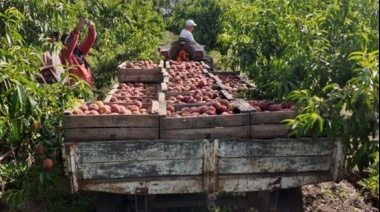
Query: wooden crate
x=269, y=124
x=113, y=96
x=111, y=127
x=266, y=124
x=146, y=86
x=222, y=94
x=204, y=127
x=144, y=75
x=235, y=76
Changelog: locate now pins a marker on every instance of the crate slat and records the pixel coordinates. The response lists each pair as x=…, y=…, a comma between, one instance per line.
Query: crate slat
x=269, y=131
x=274, y=117
x=206, y=133
x=102, y=134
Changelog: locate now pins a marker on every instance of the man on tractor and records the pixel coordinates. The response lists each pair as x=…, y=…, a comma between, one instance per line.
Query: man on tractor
x=187, y=32
x=186, y=48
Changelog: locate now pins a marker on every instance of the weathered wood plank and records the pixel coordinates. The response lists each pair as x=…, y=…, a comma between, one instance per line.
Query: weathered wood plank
x=239, y=119
x=270, y=117
x=164, y=87
x=221, y=85
x=162, y=185
x=142, y=150
x=194, y=184
x=122, y=69
x=141, y=71
x=140, y=78
x=269, y=131
x=162, y=105
x=243, y=106
x=227, y=95
x=102, y=134
x=206, y=133
x=103, y=121
x=274, y=164
x=250, y=148
x=141, y=169
x=247, y=183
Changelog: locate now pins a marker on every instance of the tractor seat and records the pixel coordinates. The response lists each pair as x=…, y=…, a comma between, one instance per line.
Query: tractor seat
x=182, y=41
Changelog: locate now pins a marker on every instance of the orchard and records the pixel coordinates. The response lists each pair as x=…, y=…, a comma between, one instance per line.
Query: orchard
x=317, y=58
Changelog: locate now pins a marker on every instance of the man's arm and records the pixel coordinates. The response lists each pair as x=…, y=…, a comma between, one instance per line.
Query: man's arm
x=86, y=45
x=72, y=42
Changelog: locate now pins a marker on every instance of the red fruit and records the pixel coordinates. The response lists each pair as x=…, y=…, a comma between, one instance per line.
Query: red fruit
x=78, y=112
x=93, y=106
x=115, y=108
x=202, y=83
x=203, y=109
x=285, y=105
x=276, y=107
x=254, y=103
x=258, y=109
x=93, y=112
x=263, y=105
x=216, y=105
x=83, y=107
x=170, y=108
x=103, y=109
x=47, y=164
x=138, y=103
x=192, y=100
x=40, y=149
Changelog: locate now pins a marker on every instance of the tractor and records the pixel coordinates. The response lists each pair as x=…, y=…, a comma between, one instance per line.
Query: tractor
x=183, y=50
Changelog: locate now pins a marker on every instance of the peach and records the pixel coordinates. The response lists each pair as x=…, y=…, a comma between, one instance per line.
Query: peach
x=263, y=105
x=47, y=164
x=83, y=107
x=93, y=106
x=115, y=108
x=78, y=112
x=99, y=103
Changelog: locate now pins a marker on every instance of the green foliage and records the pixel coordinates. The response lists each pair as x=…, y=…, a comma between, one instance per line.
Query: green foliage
x=349, y=113
x=322, y=55
x=129, y=31
x=125, y=31
x=313, y=50
x=371, y=184
x=205, y=14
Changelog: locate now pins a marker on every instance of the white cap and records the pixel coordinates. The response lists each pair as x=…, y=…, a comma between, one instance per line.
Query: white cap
x=190, y=23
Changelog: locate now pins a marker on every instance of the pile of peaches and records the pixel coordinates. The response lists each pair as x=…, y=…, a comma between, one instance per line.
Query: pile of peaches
x=267, y=105
x=216, y=107
x=186, y=65
x=233, y=83
x=198, y=96
x=141, y=64
x=100, y=108
x=137, y=85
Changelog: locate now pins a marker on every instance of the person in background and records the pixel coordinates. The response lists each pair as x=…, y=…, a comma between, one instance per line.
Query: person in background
x=73, y=55
x=187, y=32
x=51, y=70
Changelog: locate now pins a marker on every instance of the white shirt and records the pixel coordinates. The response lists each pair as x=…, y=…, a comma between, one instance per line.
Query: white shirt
x=187, y=34
x=57, y=65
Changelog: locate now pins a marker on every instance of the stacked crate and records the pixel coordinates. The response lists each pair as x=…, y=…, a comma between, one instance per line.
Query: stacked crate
x=182, y=101
x=131, y=110
x=191, y=95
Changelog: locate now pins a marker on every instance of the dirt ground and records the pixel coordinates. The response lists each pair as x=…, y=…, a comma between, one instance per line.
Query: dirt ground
x=344, y=196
